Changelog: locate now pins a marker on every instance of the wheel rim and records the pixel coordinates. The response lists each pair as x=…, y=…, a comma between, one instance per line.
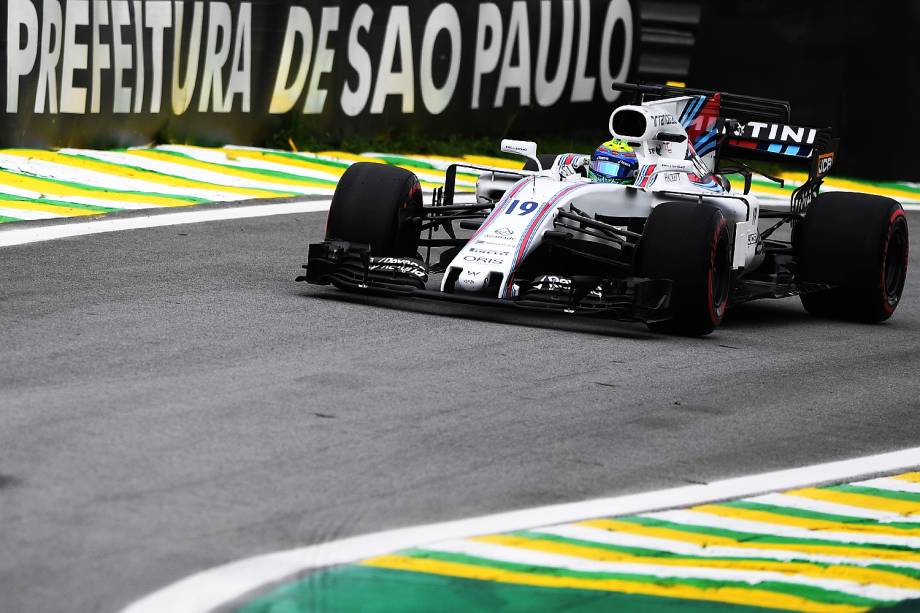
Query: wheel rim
x=719, y=275
x=895, y=267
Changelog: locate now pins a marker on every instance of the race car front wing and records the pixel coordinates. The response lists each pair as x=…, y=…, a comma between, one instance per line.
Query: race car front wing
x=351, y=267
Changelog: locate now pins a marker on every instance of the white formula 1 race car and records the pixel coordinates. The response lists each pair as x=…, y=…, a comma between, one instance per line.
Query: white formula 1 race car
x=671, y=245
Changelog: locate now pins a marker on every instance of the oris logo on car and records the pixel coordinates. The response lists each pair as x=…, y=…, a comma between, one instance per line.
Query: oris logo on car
x=477, y=260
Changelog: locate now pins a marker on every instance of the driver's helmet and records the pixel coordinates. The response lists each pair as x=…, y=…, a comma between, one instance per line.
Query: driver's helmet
x=614, y=162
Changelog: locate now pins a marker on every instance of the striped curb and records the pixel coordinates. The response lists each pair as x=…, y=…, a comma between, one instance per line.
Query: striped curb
x=38, y=184
x=842, y=548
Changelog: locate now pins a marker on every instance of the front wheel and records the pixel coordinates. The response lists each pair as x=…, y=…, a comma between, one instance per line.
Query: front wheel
x=377, y=205
x=860, y=244
x=690, y=245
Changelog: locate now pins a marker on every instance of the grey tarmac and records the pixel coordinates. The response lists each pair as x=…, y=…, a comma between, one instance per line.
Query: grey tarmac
x=170, y=400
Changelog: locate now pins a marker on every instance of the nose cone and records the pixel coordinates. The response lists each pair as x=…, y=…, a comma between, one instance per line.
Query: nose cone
x=473, y=281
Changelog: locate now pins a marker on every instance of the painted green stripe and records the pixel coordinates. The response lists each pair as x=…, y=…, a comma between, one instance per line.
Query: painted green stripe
x=96, y=188
x=312, y=158
x=659, y=554
x=804, y=514
x=905, y=606
x=909, y=572
x=635, y=551
x=779, y=587
x=307, y=181
x=871, y=491
x=72, y=205
x=4, y=219
x=361, y=589
x=751, y=537
x=404, y=161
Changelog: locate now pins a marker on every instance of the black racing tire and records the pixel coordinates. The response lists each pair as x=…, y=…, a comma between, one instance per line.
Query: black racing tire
x=546, y=160
x=690, y=245
x=374, y=204
x=860, y=244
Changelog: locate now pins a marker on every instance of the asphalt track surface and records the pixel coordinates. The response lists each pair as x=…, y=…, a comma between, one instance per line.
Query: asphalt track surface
x=170, y=400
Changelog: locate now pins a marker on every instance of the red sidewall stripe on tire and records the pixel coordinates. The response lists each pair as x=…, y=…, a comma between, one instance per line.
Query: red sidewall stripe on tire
x=897, y=216
x=715, y=315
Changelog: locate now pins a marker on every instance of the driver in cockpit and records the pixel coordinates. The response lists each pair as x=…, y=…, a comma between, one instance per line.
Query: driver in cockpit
x=613, y=162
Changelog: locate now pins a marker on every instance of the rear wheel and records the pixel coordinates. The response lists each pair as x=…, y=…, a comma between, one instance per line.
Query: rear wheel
x=860, y=244
x=375, y=204
x=690, y=245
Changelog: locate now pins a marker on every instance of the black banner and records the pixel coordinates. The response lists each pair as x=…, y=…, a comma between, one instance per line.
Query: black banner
x=848, y=64
x=128, y=72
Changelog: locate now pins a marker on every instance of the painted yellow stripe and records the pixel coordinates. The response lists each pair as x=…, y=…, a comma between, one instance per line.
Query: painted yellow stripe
x=848, y=550
x=807, y=569
x=486, y=160
x=133, y=173
x=802, y=522
x=45, y=207
x=304, y=163
x=912, y=477
x=857, y=186
x=60, y=191
x=240, y=173
x=353, y=158
x=730, y=595
x=877, y=503
x=441, y=158
x=427, y=158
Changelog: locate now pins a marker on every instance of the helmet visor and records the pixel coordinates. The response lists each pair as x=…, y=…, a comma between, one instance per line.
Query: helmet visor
x=612, y=169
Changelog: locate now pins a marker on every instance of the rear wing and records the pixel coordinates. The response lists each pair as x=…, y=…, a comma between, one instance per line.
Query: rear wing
x=814, y=149
x=751, y=128
x=738, y=107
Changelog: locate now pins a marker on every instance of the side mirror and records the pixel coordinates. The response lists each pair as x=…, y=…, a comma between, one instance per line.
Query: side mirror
x=523, y=148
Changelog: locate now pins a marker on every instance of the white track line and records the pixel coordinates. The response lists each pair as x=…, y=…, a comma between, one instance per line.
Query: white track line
x=215, y=588
x=11, y=236
x=24, y=236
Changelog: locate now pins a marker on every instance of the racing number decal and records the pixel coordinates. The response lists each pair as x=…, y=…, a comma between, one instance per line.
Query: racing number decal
x=525, y=208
